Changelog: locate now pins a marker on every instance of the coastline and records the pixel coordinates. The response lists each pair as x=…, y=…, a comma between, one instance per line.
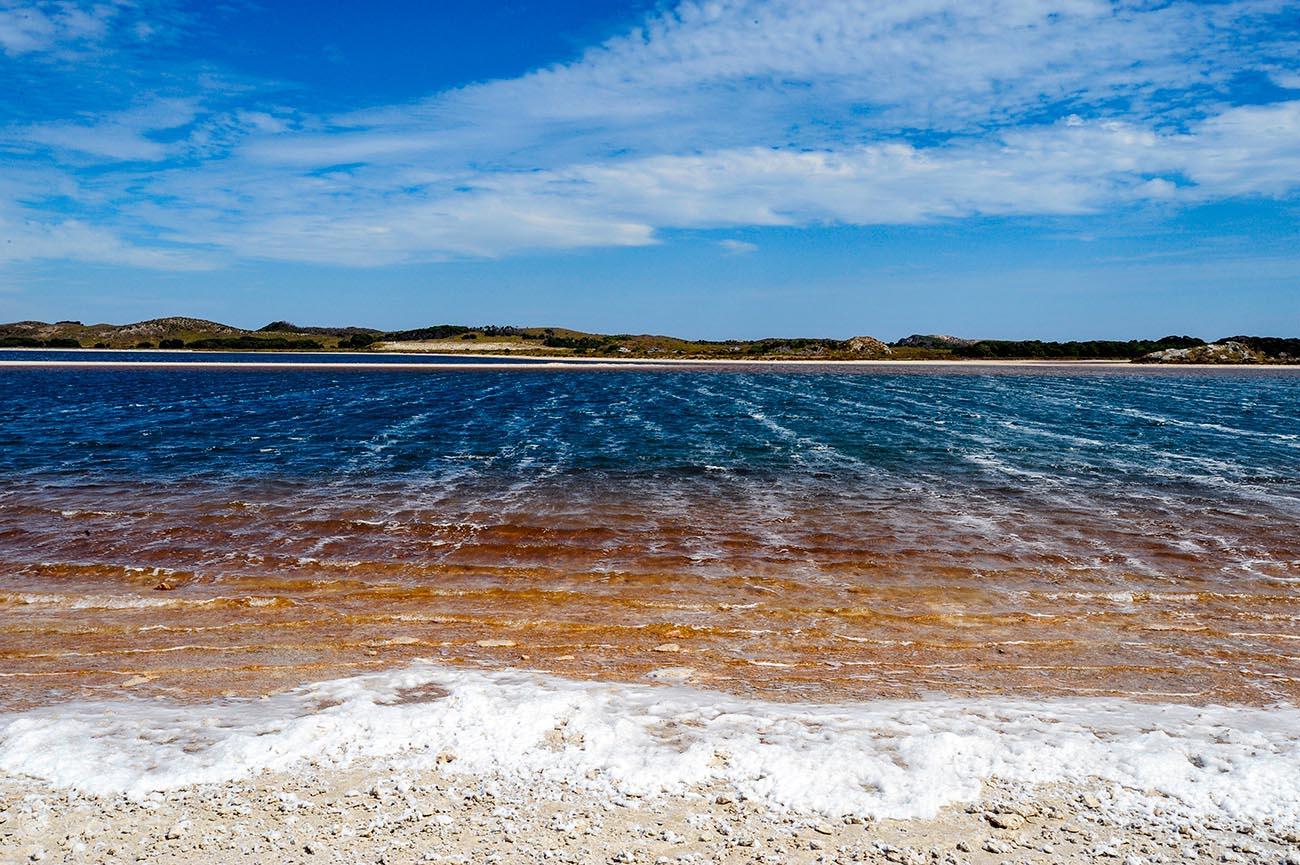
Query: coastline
x=374, y=815
x=550, y=362
x=455, y=765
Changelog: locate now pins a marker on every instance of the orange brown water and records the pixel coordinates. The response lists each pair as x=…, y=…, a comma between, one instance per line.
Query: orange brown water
x=190, y=596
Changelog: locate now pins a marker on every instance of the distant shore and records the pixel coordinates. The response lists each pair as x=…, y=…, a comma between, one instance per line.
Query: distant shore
x=188, y=333
x=554, y=362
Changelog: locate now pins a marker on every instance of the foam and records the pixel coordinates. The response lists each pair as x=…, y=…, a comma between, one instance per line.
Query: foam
x=131, y=602
x=888, y=758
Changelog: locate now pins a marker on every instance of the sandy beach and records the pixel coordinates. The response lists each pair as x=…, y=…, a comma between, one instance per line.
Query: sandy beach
x=378, y=815
x=506, y=767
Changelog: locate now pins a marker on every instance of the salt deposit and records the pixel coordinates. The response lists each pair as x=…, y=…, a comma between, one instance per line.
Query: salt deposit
x=899, y=759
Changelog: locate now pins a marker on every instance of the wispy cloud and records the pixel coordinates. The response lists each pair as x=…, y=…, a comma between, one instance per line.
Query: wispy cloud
x=33, y=27
x=72, y=239
x=66, y=29
x=363, y=216
x=737, y=247
x=715, y=115
x=128, y=135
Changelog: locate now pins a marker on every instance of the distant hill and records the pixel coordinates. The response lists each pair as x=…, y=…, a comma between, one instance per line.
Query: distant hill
x=153, y=331
x=289, y=327
x=1233, y=350
x=201, y=334
x=194, y=333
x=1273, y=346
x=933, y=340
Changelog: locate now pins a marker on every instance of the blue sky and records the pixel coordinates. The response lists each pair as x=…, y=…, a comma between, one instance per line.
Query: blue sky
x=998, y=168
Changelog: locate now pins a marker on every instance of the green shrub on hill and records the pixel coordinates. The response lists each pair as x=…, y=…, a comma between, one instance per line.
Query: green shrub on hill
x=243, y=343
x=1275, y=346
x=579, y=343
x=33, y=342
x=1093, y=349
x=437, y=331
x=357, y=340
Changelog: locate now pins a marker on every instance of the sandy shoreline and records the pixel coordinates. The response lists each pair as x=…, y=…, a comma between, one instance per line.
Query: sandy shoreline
x=515, y=360
x=573, y=773
x=387, y=815
x=541, y=362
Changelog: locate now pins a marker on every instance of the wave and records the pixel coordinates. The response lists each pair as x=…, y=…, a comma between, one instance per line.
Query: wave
x=888, y=759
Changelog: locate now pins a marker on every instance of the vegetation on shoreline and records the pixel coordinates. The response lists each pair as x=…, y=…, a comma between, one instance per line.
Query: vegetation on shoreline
x=199, y=334
x=1094, y=349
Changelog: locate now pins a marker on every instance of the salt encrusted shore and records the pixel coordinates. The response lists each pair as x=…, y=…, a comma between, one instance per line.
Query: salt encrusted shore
x=373, y=814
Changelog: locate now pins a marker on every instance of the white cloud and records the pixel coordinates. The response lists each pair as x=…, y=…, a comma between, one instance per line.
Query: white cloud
x=791, y=74
x=41, y=26
x=365, y=218
x=713, y=115
x=74, y=240
x=738, y=247
x=788, y=73
x=122, y=135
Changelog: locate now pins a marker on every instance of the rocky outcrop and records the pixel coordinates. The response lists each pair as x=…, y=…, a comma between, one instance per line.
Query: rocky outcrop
x=868, y=346
x=933, y=340
x=1216, y=352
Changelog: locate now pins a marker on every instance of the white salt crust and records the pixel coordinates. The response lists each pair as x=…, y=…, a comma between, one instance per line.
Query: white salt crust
x=898, y=759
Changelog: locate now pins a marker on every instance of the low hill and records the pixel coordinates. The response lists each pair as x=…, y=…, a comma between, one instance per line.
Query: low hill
x=1232, y=350
x=933, y=340
x=194, y=333
x=279, y=327
x=201, y=334
x=171, y=332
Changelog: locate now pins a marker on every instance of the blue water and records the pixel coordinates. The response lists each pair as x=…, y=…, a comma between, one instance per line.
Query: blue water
x=1216, y=434
x=1024, y=460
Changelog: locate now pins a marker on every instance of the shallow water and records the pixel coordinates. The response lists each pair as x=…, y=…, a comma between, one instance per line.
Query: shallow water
x=817, y=534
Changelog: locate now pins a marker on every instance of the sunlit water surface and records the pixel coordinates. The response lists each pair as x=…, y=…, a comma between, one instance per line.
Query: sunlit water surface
x=811, y=534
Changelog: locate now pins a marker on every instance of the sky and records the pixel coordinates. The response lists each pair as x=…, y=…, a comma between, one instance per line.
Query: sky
x=1057, y=169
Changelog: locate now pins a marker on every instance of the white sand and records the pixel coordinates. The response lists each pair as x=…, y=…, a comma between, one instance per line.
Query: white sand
x=367, y=815
x=435, y=763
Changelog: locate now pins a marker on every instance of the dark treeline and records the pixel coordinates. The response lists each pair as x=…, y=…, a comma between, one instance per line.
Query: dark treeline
x=1092, y=349
x=581, y=343
x=32, y=342
x=252, y=342
x=447, y=331
x=290, y=327
x=1277, y=346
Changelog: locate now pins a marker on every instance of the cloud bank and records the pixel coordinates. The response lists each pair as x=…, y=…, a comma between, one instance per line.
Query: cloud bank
x=712, y=115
